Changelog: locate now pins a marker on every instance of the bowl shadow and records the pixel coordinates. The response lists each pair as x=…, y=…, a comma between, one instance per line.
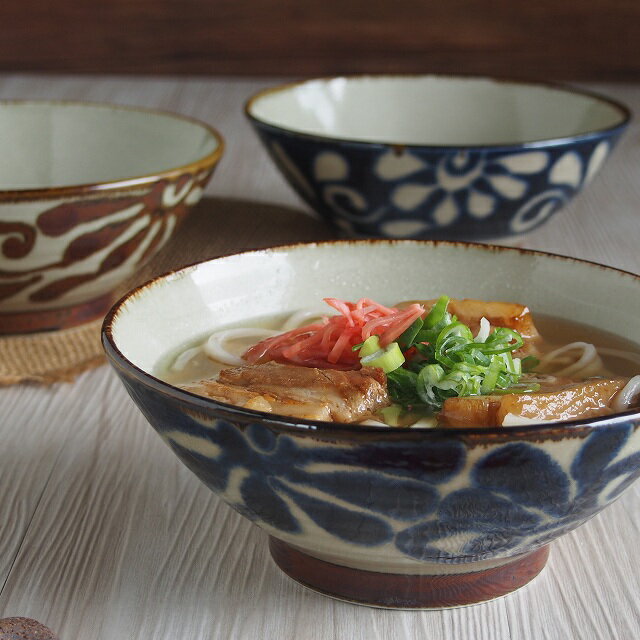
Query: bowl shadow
x=220, y=226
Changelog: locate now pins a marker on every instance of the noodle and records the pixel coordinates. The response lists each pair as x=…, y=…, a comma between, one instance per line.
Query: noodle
x=183, y=359
x=214, y=346
x=627, y=395
x=587, y=364
x=297, y=319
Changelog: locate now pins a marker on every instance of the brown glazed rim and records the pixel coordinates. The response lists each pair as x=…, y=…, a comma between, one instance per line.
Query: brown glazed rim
x=625, y=112
x=240, y=414
x=134, y=182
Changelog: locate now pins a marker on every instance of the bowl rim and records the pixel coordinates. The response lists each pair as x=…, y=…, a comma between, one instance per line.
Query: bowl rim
x=206, y=162
x=300, y=425
x=624, y=111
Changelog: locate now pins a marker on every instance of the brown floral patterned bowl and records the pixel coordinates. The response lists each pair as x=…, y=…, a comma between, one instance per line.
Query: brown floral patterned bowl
x=88, y=194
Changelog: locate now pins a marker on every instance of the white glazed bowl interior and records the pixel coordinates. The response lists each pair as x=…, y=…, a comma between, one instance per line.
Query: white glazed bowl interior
x=56, y=144
x=172, y=311
x=435, y=110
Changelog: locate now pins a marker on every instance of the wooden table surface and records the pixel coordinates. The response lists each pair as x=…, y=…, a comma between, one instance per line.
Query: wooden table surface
x=105, y=535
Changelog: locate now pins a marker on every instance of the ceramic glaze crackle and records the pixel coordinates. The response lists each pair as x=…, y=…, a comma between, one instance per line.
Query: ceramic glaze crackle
x=440, y=158
x=65, y=245
x=390, y=517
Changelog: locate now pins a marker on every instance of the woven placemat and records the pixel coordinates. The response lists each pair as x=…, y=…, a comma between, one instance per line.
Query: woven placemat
x=49, y=357
x=216, y=227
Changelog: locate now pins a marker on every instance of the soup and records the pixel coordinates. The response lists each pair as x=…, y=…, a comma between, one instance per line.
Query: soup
x=549, y=369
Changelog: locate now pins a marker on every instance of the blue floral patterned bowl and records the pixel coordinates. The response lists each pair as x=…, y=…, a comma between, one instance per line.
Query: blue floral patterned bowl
x=385, y=516
x=435, y=157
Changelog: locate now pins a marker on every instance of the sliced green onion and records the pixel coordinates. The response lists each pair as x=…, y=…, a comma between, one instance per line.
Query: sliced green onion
x=391, y=415
x=426, y=383
x=387, y=359
x=369, y=346
x=397, y=416
x=402, y=385
x=427, y=351
x=454, y=335
x=436, y=315
x=491, y=377
x=407, y=338
x=502, y=340
x=451, y=362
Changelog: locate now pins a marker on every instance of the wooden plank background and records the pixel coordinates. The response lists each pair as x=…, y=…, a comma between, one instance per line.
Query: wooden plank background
x=563, y=40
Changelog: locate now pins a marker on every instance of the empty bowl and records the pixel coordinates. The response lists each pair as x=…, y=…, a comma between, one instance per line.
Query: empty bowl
x=88, y=194
x=386, y=516
x=435, y=157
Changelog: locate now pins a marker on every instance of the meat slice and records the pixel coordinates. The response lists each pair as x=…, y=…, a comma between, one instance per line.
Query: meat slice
x=586, y=399
x=300, y=392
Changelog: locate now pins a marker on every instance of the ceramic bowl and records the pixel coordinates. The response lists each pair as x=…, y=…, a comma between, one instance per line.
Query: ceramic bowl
x=435, y=157
x=88, y=194
x=392, y=517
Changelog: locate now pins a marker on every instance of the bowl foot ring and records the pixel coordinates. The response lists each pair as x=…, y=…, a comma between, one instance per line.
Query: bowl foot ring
x=407, y=591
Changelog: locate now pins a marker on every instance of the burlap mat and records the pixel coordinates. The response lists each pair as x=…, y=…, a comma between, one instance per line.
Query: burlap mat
x=215, y=227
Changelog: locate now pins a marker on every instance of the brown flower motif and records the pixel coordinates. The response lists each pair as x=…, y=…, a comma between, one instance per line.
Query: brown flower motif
x=166, y=205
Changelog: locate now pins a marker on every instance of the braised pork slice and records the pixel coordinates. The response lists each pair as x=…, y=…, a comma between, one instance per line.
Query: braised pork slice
x=586, y=399
x=300, y=392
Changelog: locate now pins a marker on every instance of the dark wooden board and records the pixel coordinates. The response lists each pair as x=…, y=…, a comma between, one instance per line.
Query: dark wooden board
x=567, y=39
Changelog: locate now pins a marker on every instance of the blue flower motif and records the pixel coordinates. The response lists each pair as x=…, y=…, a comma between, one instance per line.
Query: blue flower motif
x=353, y=526
x=596, y=453
x=433, y=461
x=525, y=474
x=397, y=498
x=514, y=485
x=418, y=492
x=486, y=512
x=471, y=183
x=354, y=504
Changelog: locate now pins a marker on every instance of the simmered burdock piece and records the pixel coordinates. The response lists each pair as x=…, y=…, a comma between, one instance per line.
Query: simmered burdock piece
x=469, y=411
x=499, y=314
x=586, y=399
x=300, y=392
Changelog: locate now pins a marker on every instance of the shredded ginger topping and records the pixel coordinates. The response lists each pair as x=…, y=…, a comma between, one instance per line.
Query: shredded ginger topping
x=330, y=342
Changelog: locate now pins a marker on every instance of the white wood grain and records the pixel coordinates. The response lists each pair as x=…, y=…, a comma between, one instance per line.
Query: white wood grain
x=30, y=444
x=105, y=535
x=128, y=544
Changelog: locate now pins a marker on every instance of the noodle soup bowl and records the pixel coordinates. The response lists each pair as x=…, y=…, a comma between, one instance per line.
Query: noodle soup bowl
x=89, y=193
x=435, y=157
x=390, y=517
